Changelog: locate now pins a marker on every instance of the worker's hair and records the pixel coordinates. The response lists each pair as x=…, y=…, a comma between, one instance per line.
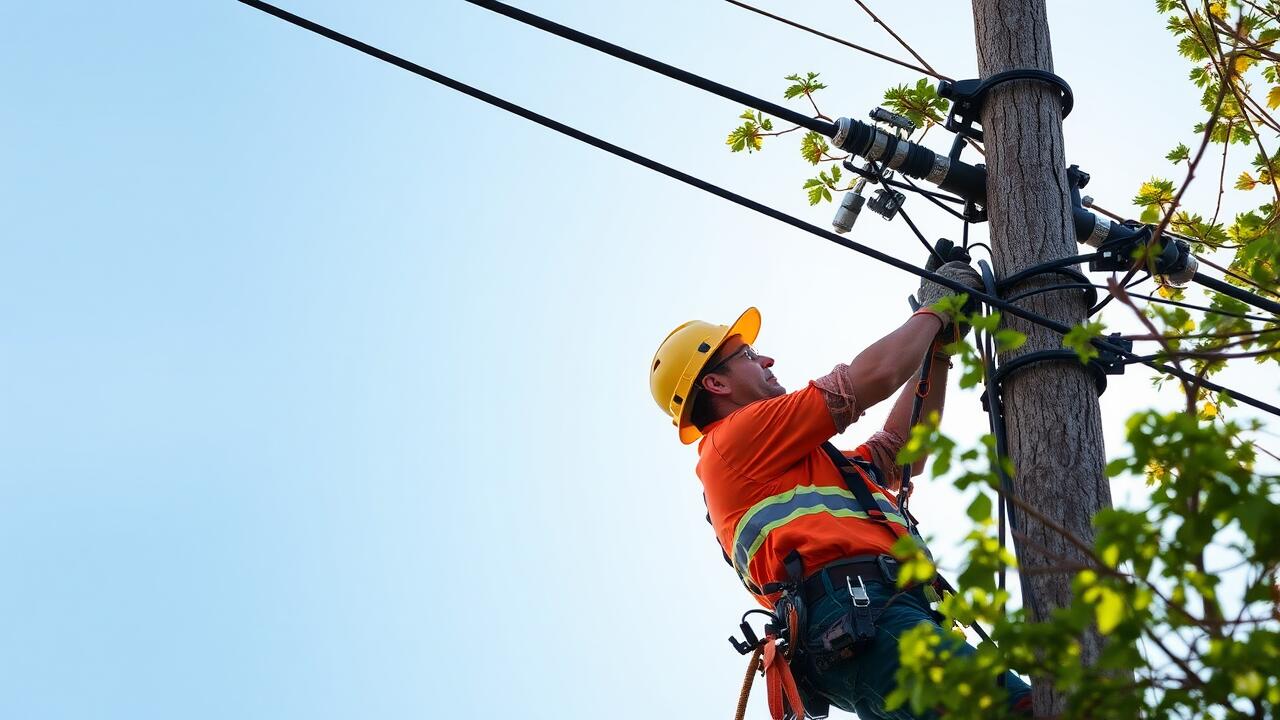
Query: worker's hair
x=701, y=415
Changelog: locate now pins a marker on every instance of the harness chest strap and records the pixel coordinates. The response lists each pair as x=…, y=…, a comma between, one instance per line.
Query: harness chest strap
x=850, y=471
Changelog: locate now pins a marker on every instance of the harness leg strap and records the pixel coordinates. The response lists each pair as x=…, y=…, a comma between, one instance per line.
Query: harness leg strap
x=781, y=683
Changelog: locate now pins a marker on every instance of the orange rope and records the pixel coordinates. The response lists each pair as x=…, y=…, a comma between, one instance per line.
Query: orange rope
x=752, y=668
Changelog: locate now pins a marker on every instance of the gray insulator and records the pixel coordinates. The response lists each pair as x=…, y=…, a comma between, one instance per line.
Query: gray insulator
x=848, y=211
x=1184, y=276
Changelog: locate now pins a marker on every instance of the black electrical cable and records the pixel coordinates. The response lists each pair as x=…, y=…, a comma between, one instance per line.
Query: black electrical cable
x=877, y=174
x=1240, y=294
x=933, y=197
x=1233, y=274
x=726, y=194
x=1177, y=354
x=1044, y=267
x=822, y=127
x=1150, y=298
x=1213, y=311
x=1137, y=282
x=932, y=252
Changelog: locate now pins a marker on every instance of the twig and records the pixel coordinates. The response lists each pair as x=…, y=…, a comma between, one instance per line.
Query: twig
x=1222, y=175
x=1192, y=391
x=889, y=30
x=833, y=38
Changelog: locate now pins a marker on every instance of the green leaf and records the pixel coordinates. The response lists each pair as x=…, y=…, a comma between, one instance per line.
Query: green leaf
x=812, y=147
x=745, y=137
x=802, y=85
x=1007, y=339
x=1080, y=338
x=980, y=509
x=1178, y=154
x=1109, y=611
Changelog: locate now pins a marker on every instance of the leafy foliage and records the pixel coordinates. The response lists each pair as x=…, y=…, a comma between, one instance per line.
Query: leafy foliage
x=749, y=135
x=920, y=103
x=813, y=147
x=806, y=85
x=820, y=188
x=1175, y=646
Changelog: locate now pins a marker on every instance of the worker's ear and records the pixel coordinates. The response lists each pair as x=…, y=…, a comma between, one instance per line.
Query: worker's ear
x=716, y=384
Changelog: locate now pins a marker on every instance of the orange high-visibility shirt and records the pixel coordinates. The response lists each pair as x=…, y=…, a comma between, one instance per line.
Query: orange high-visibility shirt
x=771, y=489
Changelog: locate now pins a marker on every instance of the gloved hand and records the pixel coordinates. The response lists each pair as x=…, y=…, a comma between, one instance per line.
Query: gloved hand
x=944, y=251
x=931, y=292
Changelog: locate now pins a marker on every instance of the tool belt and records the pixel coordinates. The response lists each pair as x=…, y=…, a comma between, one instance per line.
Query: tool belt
x=784, y=655
x=844, y=574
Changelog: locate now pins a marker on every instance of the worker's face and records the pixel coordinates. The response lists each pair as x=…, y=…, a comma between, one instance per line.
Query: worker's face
x=744, y=373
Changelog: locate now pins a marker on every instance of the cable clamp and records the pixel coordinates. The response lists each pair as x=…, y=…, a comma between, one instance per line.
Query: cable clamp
x=968, y=97
x=1110, y=361
x=843, y=126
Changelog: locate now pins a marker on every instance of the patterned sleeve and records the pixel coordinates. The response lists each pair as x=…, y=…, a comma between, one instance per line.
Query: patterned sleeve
x=882, y=450
x=837, y=390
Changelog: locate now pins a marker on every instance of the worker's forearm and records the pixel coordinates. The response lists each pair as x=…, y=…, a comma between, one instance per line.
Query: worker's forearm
x=934, y=401
x=899, y=420
x=887, y=363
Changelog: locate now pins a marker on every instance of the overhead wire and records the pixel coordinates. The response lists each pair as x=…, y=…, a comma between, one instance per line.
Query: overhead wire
x=1151, y=298
x=1233, y=274
x=841, y=41
x=688, y=179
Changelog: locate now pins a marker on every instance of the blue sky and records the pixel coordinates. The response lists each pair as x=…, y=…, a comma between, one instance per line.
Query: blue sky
x=324, y=386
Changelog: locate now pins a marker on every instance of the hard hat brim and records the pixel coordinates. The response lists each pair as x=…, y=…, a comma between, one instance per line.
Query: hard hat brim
x=748, y=327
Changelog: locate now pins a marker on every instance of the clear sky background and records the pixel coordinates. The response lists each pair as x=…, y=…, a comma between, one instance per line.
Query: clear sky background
x=325, y=387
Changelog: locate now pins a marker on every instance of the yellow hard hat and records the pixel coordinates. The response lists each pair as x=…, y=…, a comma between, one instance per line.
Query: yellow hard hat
x=681, y=358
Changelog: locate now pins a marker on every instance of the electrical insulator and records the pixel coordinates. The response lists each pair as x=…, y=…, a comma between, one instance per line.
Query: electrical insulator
x=849, y=208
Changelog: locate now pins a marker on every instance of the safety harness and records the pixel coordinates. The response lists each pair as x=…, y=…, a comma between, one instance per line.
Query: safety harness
x=781, y=646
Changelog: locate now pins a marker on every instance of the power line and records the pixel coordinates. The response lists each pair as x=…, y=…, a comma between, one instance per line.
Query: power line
x=823, y=127
x=1151, y=298
x=835, y=39
x=731, y=196
x=1231, y=273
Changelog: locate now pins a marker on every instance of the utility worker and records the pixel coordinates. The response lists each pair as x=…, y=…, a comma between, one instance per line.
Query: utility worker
x=787, y=517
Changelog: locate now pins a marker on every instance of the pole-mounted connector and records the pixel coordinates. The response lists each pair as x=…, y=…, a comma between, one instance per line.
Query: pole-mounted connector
x=1109, y=360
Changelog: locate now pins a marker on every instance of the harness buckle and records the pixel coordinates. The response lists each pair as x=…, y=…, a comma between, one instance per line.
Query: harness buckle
x=859, y=594
x=888, y=568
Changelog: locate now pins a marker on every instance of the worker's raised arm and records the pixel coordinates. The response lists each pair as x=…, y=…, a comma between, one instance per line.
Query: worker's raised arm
x=879, y=370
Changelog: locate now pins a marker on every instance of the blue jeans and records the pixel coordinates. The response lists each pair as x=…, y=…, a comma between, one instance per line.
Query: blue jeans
x=861, y=683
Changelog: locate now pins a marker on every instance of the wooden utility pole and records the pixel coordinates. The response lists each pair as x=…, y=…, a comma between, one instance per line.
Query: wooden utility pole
x=1051, y=409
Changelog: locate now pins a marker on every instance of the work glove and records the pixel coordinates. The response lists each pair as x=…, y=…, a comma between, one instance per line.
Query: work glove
x=930, y=292
x=951, y=262
x=945, y=254
x=945, y=251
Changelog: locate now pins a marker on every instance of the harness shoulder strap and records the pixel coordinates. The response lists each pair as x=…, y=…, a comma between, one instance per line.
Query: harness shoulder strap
x=851, y=471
